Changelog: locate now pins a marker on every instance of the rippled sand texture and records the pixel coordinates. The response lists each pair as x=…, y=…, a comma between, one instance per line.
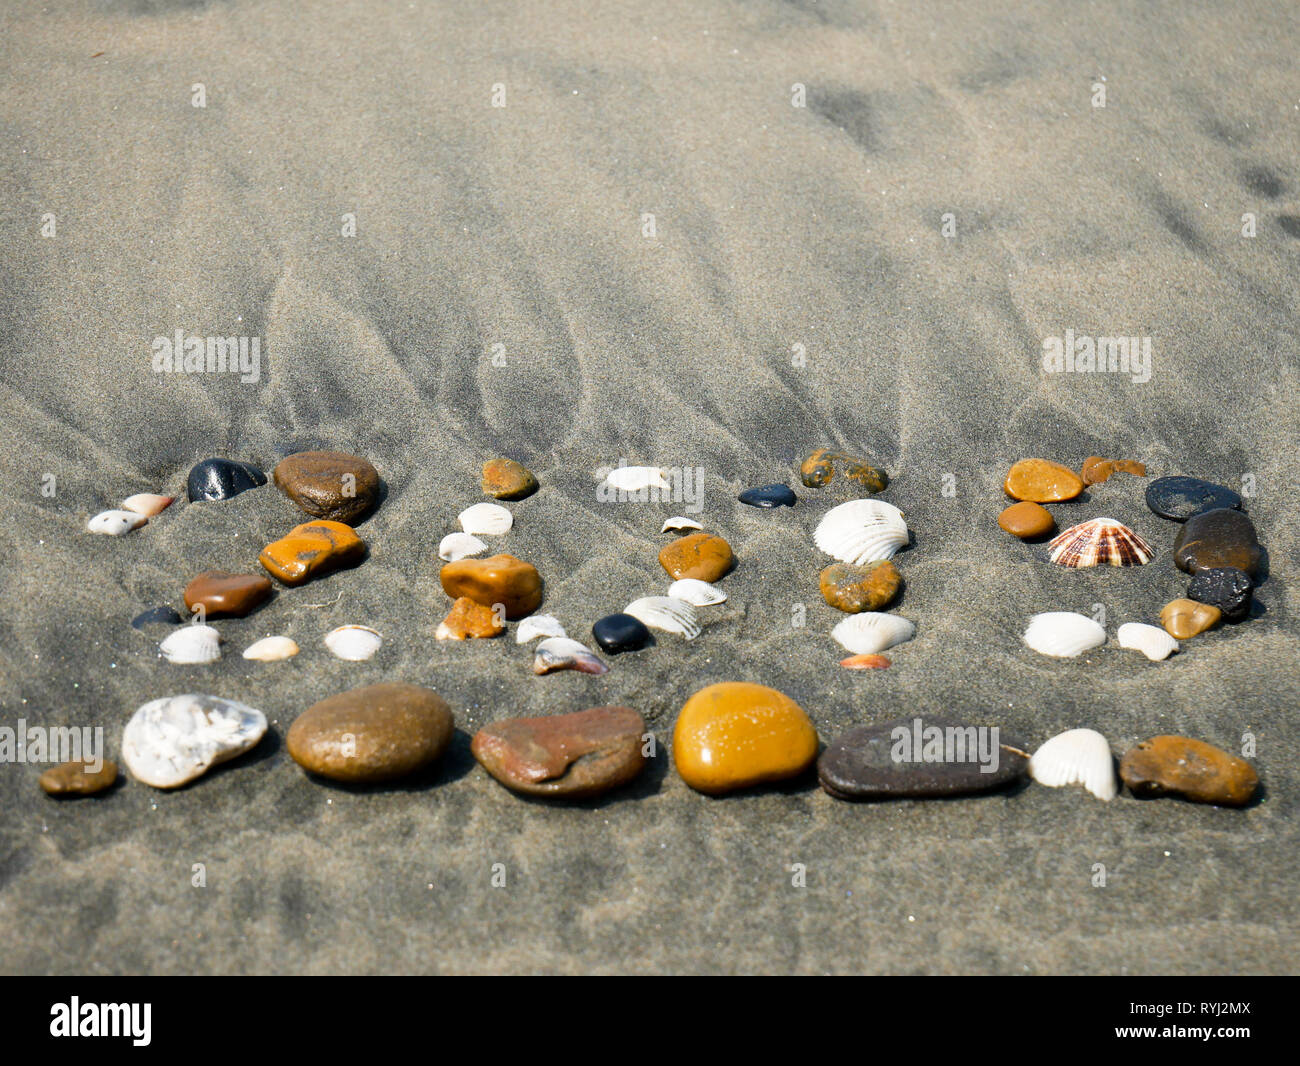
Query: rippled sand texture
x=523, y=227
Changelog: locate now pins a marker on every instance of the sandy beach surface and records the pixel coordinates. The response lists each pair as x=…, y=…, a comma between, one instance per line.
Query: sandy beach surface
x=649, y=254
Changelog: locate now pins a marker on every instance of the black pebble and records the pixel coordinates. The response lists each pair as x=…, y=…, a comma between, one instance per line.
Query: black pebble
x=156, y=616
x=1181, y=498
x=620, y=632
x=769, y=496
x=1224, y=587
x=220, y=479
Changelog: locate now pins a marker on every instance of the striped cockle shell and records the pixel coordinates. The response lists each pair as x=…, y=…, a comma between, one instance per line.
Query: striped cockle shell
x=115, y=523
x=1098, y=541
x=872, y=631
x=271, y=649
x=171, y=741
x=1076, y=757
x=192, y=644
x=147, y=503
x=666, y=613
x=489, y=519
x=1063, y=634
x=1151, y=641
x=354, y=644
x=696, y=592
x=538, y=625
x=459, y=546
x=862, y=531
x=561, y=653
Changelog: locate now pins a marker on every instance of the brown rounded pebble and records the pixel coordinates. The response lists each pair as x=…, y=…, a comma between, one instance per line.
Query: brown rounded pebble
x=331, y=485
x=233, y=595
x=823, y=464
x=1042, y=481
x=75, y=779
x=1184, y=619
x=1095, y=469
x=860, y=588
x=1027, y=520
x=499, y=579
x=1190, y=768
x=468, y=619
x=311, y=550
x=703, y=556
x=505, y=479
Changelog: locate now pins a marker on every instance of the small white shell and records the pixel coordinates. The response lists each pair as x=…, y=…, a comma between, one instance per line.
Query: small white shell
x=353, y=643
x=459, y=546
x=271, y=649
x=680, y=522
x=192, y=644
x=538, y=625
x=147, y=504
x=872, y=631
x=490, y=519
x=635, y=478
x=667, y=613
x=115, y=523
x=173, y=740
x=697, y=592
x=561, y=653
x=1076, y=757
x=1063, y=634
x=862, y=531
x=1151, y=641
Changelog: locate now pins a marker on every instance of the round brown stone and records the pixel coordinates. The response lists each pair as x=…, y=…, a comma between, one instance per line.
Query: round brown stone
x=1042, y=481
x=233, y=595
x=375, y=733
x=1184, y=619
x=1026, y=520
x=499, y=579
x=331, y=485
x=1190, y=768
x=77, y=779
x=507, y=480
x=860, y=588
x=703, y=556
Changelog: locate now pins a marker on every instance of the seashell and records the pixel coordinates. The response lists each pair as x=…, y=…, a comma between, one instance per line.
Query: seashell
x=115, y=523
x=1151, y=641
x=271, y=649
x=353, y=643
x=538, y=625
x=635, y=478
x=872, y=631
x=561, y=653
x=1063, y=634
x=171, y=741
x=459, y=546
x=696, y=592
x=490, y=519
x=1102, y=540
x=865, y=662
x=147, y=504
x=679, y=522
x=861, y=531
x=1076, y=757
x=667, y=613
x=192, y=644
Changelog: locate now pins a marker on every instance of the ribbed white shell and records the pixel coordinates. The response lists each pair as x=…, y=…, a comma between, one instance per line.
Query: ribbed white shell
x=192, y=644
x=173, y=740
x=635, y=478
x=1063, y=634
x=667, y=613
x=115, y=523
x=696, y=592
x=561, y=653
x=872, y=631
x=271, y=649
x=459, y=546
x=862, y=531
x=680, y=522
x=538, y=625
x=147, y=504
x=1151, y=641
x=353, y=643
x=489, y=519
x=1076, y=757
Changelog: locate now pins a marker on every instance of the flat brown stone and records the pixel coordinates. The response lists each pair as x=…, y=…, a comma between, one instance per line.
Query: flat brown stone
x=1042, y=481
x=1095, y=469
x=1215, y=539
x=311, y=550
x=74, y=779
x=332, y=485
x=1184, y=619
x=703, y=556
x=233, y=595
x=1026, y=520
x=499, y=579
x=570, y=755
x=824, y=464
x=1181, y=766
x=507, y=480
x=468, y=619
x=860, y=588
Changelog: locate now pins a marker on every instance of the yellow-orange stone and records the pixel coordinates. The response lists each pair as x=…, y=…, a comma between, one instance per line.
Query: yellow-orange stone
x=1042, y=481
x=736, y=734
x=703, y=556
x=311, y=549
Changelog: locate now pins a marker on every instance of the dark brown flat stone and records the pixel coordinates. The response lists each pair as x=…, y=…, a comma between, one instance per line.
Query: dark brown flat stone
x=1218, y=538
x=331, y=485
x=74, y=779
x=233, y=595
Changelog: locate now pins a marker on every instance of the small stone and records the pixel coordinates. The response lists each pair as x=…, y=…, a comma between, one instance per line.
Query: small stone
x=1189, y=768
x=220, y=593
x=1224, y=587
x=769, y=496
x=505, y=479
x=220, y=479
x=822, y=465
x=76, y=778
x=1219, y=538
x=156, y=616
x=1181, y=498
x=1027, y=520
x=1095, y=469
x=174, y=740
x=1184, y=619
x=502, y=579
x=1042, y=481
x=860, y=588
x=374, y=733
x=703, y=556
x=566, y=755
x=312, y=550
x=330, y=485
x=620, y=632
x=468, y=619
x=915, y=757
x=866, y=662
x=737, y=734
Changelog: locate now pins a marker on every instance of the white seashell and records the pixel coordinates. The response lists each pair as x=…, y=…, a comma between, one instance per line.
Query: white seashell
x=538, y=625
x=1076, y=757
x=147, y=504
x=115, y=523
x=173, y=740
x=459, y=546
x=680, y=522
x=1151, y=641
x=561, y=653
x=872, y=631
x=353, y=643
x=635, y=478
x=271, y=649
x=667, y=613
x=862, y=531
x=490, y=519
x=1063, y=634
x=192, y=644
x=697, y=592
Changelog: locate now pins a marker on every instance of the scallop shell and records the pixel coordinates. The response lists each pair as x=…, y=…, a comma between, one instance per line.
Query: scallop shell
x=862, y=531
x=192, y=644
x=1151, y=641
x=1076, y=757
x=635, y=478
x=147, y=504
x=1101, y=540
x=271, y=649
x=538, y=625
x=115, y=523
x=696, y=592
x=353, y=643
x=678, y=523
x=872, y=631
x=666, y=613
x=173, y=740
x=490, y=519
x=1063, y=634
x=459, y=546
x=561, y=653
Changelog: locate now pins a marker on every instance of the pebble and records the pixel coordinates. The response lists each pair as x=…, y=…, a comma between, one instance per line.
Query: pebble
x=1095, y=469
x=115, y=523
x=1181, y=498
x=737, y=734
x=820, y=468
x=1218, y=538
x=172, y=741
x=374, y=733
x=915, y=757
x=330, y=485
x=620, y=632
x=1224, y=587
x=1027, y=520
x=866, y=662
x=860, y=588
x=1184, y=619
x=220, y=593
x=505, y=479
x=1189, y=768
x=566, y=755
x=312, y=550
x=468, y=620
x=502, y=579
x=156, y=616
x=221, y=479
x=76, y=779
x=703, y=556
x=769, y=496
x=1042, y=481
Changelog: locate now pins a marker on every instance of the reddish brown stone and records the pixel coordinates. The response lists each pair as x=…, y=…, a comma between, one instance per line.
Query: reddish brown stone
x=703, y=556
x=1026, y=520
x=502, y=579
x=468, y=619
x=75, y=779
x=860, y=588
x=220, y=593
x=505, y=479
x=1190, y=768
x=331, y=485
x=1095, y=469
